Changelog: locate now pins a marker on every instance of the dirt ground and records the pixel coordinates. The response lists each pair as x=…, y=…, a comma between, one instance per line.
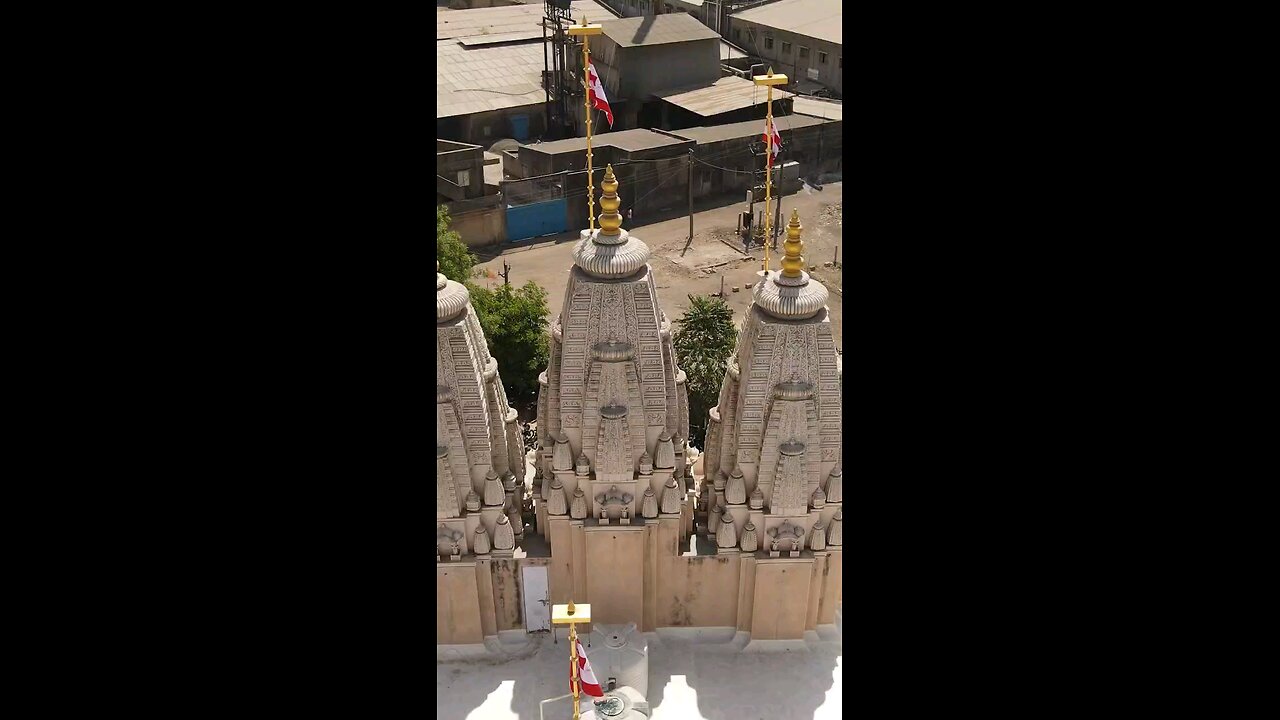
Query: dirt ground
x=715, y=255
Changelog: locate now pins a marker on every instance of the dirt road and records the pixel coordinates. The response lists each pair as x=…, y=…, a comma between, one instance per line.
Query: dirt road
x=699, y=268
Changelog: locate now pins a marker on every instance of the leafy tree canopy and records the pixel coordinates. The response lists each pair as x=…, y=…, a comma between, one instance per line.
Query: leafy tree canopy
x=515, y=327
x=703, y=344
x=456, y=261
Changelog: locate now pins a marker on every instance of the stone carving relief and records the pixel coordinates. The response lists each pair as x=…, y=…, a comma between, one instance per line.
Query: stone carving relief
x=614, y=503
x=786, y=536
x=789, y=486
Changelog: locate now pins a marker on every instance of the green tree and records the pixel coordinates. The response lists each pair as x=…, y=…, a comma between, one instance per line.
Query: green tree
x=514, y=321
x=703, y=344
x=456, y=261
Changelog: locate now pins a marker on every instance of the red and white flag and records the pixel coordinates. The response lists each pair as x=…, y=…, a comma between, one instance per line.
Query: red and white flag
x=598, y=99
x=587, y=679
x=773, y=139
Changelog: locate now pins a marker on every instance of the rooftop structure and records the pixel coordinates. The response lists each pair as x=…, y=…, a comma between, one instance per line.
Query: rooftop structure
x=819, y=19
x=801, y=105
x=656, y=30
x=750, y=128
x=727, y=94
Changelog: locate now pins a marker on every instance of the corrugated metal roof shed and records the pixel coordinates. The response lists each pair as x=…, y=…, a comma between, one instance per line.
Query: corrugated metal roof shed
x=656, y=30
x=816, y=18
x=629, y=140
x=506, y=19
x=726, y=94
x=486, y=77
x=703, y=135
x=481, y=79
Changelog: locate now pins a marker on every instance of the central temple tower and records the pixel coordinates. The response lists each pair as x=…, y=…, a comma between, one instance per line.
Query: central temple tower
x=613, y=420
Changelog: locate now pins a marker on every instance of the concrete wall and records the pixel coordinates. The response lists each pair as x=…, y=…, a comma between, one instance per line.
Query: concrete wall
x=453, y=158
x=479, y=222
x=752, y=38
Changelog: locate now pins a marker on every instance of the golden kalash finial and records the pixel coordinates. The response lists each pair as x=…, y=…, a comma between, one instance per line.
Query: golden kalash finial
x=610, y=220
x=793, y=261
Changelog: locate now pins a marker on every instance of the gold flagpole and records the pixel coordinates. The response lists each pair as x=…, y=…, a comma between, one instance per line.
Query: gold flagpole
x=768, y=80
x=586, y=31
x=571, y=615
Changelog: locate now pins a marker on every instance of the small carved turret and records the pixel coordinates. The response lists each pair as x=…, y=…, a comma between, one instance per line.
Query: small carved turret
x=671, y=497
x=818, y=537
x=481, y=541
x=646, y=464
x=835, y=534
x=757, y=498
x=503, y=536
x=473, y=502
x=508, y=481
x=556, y=504
x=578, y=509
x=818, y=499
x=749, y=540
x=726, y=536
x=494, y=496
x=735, y=492
x=835, y=486
x=649, y=504
x=665, y=455
x=583, y=467
x=562, y=457
x=517, y=522
x=721, y=481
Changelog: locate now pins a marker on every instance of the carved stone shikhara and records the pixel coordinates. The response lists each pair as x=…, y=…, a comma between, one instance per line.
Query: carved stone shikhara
x=477, y=441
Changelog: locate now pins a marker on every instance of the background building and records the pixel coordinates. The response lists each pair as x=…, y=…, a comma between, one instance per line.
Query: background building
x=801, y=38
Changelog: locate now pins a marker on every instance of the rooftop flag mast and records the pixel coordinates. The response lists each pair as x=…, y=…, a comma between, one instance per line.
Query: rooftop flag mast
x=586, y=31
x=768, y=80
x=571, y=615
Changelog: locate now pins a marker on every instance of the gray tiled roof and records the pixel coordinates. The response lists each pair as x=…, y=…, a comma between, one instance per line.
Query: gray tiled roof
x=656, y=30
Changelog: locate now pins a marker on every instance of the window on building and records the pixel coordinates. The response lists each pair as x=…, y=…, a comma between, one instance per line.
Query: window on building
x=768, y=43
x=786, y=48
x=464, y=178
x=822, y=58
x=804, y=52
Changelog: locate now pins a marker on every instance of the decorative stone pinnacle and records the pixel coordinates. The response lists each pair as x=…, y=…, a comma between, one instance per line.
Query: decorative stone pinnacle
x=793, y=262
x=610, y=220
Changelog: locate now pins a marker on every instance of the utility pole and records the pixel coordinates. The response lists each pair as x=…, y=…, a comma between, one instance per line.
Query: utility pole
x=506, y=273
x=690, y=197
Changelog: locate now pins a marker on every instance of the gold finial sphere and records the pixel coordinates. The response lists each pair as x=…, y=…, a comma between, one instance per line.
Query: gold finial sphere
x=793, y=262
x=610, y=219
x=770, y=71
x=572, y=609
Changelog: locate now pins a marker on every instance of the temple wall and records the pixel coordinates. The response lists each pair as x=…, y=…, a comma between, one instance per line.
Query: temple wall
x=457, y=611
x=780, y=607
x=698, y=591
x=615, y=557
